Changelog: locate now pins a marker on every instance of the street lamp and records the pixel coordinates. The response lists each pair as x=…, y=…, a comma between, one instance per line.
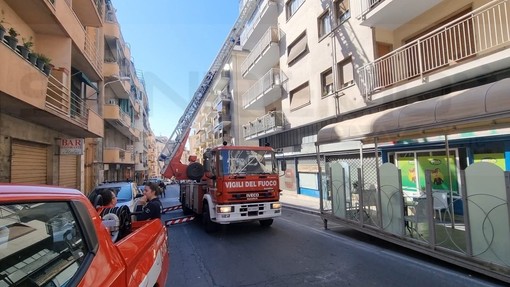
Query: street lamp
x=119, y=79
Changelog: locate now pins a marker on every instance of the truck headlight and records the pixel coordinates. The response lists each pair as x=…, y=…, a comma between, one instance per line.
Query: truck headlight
x=276, y=205
x=224, y=209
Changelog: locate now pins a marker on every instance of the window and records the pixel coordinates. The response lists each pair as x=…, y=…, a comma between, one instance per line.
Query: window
x=300, y=97
x=345, y=73
x=324, y=22
x=292, y=6
x=297, y=48
x=39, y=242
x=327, y=82
x=343, y=12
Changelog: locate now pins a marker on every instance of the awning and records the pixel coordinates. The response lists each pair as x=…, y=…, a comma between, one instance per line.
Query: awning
x=482, y=107
x=83, y=78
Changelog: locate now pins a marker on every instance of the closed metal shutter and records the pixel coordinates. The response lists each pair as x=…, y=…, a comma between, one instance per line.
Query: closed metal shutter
x=29, y=163
x=67, y=173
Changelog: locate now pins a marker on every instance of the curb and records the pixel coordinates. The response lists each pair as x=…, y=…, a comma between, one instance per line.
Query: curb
x=301, y=208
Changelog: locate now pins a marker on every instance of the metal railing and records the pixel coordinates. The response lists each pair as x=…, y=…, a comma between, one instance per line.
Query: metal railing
x=254, y=21
x=270, y=36
x=364, y=6
x=269, y=122
x=60, y=100
x=91, y=49
x=480, y=30
x=271, y=79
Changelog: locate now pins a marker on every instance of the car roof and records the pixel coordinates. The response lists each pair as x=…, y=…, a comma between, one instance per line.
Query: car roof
x=113, y=184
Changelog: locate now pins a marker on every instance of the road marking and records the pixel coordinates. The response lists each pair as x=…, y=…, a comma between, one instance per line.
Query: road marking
x=179, y=220
x=170, y=208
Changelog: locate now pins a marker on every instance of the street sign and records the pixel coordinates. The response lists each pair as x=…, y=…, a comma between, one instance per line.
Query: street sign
x=71, y=146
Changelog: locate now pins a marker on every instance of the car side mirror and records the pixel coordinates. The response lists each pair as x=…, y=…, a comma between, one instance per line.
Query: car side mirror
x=283, y=165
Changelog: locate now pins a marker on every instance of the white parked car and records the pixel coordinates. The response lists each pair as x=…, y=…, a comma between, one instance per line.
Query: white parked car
x=126, y=193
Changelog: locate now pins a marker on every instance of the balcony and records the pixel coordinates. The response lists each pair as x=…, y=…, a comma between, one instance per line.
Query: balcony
x=57, y=18
x=117, y=155
x=222, y=121
x=222, y=80
x=121, y=87
x=388, y=13
x=263, y=56
x=270, y=123
x=27, y=93
x=136, y=107
x=88, y=11
x=265, y=91
x=265, y=16
x=470, y=46
x=120, y=120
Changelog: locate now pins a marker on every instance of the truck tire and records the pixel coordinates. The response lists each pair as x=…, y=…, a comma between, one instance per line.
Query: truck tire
x=195, y=171
x=266, y=222
x=209, y=226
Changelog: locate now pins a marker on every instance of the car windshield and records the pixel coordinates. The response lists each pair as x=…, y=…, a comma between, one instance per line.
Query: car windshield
x=123, y=192
x=247, y=162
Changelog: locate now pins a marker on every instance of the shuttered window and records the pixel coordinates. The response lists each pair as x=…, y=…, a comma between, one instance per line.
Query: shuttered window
x=297, y=48
x=327, y=82
x=300, y=97
x=346, y=73
x=29, y=163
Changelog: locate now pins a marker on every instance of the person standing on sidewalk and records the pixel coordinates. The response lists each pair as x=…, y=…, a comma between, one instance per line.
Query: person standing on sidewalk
x=163, y=188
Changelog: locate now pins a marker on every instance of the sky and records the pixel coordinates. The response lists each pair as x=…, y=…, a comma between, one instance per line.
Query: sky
x=174, y=43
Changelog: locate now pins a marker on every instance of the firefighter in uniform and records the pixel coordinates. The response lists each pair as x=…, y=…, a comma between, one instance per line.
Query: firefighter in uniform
x=152, y=206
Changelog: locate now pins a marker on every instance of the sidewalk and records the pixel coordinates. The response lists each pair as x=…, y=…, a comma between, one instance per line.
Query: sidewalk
x=292, y=200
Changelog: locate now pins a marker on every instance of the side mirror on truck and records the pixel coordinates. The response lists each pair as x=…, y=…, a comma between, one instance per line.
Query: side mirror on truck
x=283, y=165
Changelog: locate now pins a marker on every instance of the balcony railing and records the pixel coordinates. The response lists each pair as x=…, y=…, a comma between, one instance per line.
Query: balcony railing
x=92, y=49
x=270, y=36
x=268, y=123
x=364, y=6
x=59, y=100
x=259, y=12
x=271, y=79
x=483, y=29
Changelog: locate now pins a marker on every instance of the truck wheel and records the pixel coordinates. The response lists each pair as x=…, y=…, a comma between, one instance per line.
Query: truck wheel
x=266, y=222
x=209, y=226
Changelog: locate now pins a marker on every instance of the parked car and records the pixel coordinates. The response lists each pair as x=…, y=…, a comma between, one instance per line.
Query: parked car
x=126, y=192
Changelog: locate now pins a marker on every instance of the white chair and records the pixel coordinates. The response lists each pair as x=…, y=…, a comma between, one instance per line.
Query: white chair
x=440, y=203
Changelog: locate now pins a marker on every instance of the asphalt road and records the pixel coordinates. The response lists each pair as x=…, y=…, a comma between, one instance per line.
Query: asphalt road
x=297, y=251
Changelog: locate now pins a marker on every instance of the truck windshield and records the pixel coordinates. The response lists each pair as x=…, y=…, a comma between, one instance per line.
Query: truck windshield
x=247, y=162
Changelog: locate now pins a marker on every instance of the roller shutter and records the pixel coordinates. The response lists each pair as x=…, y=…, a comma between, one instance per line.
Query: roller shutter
x=29, y=163
x=67, y=173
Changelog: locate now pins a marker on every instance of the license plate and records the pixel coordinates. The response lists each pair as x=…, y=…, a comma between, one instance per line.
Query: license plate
x=253, y=208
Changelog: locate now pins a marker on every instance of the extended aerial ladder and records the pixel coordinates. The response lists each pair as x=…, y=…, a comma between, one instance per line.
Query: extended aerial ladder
x=172, y=152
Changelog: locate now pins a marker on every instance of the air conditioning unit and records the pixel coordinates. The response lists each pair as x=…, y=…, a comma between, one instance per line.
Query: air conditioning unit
x=112, y=102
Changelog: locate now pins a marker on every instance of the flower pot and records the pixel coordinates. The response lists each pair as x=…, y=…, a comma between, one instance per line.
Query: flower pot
x=40, y=64
x=32, y=58
x=12, y=41
x=47, y=69
x=24, y=51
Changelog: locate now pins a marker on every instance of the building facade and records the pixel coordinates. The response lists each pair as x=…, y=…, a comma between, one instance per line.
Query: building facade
x=72, y=109
x=125, y=109
x=49, y=102
x=396, y=116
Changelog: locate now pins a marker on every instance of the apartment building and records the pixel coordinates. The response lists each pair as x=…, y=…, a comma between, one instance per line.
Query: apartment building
x=126, y=111
x=379, y=102
x=220, y=116
x=49, y=100
x=73, y=111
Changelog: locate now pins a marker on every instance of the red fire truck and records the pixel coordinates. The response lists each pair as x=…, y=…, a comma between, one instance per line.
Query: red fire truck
x=237, y=183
